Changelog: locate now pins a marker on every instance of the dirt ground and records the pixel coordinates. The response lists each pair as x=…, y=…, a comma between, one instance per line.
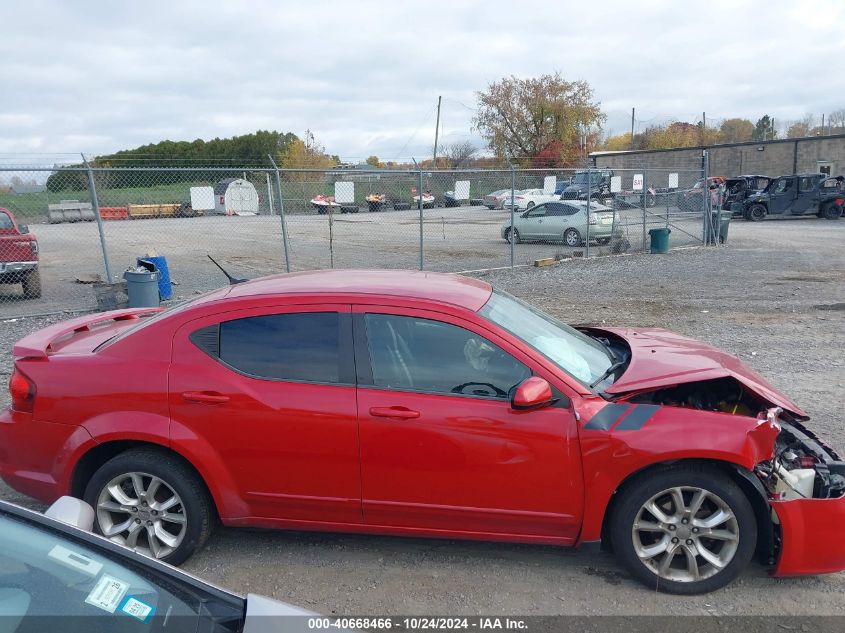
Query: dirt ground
x=775, y=296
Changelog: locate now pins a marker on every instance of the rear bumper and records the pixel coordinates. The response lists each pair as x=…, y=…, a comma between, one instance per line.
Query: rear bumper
x=811, y=536
x=14, y=270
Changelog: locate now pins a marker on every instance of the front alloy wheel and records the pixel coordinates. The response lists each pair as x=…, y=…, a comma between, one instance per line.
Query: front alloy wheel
x=685, y=529
x=685, y=534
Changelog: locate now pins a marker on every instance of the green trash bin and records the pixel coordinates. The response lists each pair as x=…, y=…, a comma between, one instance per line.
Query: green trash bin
x=659, y=240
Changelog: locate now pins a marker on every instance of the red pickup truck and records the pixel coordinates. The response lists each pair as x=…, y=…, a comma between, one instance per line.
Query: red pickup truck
x=18, y=255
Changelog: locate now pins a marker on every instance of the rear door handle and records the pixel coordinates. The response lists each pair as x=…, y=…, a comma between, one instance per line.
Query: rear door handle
x=395, y=413
x=206, y=397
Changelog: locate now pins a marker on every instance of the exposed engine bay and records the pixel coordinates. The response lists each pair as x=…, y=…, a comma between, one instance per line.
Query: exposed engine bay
x=802, y=468
x=726, y=395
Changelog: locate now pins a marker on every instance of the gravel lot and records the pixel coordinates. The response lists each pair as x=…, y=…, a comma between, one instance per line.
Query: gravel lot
x=775, y=296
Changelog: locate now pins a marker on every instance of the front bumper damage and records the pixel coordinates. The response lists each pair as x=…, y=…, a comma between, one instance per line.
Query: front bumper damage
x=805, y=483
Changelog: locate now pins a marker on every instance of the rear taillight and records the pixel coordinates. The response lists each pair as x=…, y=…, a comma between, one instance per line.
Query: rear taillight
x=22, y=390
x=34, y=246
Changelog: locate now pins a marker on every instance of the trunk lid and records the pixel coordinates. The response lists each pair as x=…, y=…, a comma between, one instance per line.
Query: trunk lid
x=660, y=358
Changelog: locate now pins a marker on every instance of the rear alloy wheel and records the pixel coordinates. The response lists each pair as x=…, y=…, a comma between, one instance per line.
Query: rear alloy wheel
x=831, y=211
x=515, y=232
x=756, y=212
x=151, y=502
x=684, y=530
x=571, y=237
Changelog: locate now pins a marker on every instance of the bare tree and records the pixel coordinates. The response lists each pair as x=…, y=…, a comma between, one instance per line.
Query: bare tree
x=457, y=154
x=801, y=127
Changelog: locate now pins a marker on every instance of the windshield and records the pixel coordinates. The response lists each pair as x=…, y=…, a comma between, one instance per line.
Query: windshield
x=582, y=177
x=580, y=356
x=44, y=574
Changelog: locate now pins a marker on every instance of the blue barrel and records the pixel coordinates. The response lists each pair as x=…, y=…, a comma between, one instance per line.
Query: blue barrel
x=165, y=288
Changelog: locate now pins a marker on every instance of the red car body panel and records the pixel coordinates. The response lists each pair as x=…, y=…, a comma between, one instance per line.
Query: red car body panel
x=315, y=456
x=812, y=536
x=610, y=456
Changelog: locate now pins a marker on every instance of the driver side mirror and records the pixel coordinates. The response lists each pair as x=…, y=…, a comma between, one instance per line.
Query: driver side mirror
x=531, y=393
x=23, y=228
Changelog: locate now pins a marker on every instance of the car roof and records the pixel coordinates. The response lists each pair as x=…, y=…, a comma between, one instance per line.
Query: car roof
x=449, y=288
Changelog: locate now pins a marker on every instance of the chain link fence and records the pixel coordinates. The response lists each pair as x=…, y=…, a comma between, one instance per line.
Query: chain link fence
x=67, y=235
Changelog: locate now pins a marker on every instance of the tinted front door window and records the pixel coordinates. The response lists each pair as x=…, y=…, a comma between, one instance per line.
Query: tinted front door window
x=303, y=347
x=414, y=354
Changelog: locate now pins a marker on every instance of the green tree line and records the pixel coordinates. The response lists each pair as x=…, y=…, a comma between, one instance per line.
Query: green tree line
x=249, y=150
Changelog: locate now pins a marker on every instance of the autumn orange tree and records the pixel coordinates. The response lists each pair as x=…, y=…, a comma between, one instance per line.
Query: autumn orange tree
x=540, y=117
x=305, y=153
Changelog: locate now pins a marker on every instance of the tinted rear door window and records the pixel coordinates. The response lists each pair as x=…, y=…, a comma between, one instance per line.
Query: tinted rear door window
x=299, y=347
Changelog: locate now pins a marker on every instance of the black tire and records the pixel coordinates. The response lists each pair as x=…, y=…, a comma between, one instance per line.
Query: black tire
x=687, y=478
x=572, y=238
x=516, y=238
x=31, y=284
x=831, y=211
x=756, y=212
x=197, y=504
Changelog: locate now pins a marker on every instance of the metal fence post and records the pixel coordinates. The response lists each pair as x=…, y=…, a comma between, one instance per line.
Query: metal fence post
x=589, y=196
x=644, y=199
x=513, y=194
x=281, y=213
x=92, y=187
x=705, y=199
x=420, y=195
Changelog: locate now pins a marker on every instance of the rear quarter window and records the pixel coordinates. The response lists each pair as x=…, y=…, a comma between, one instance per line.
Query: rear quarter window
x=303, y=347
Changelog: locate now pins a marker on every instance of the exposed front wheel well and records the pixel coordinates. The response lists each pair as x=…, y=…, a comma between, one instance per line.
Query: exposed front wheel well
x=746, y=480
x=91, y=461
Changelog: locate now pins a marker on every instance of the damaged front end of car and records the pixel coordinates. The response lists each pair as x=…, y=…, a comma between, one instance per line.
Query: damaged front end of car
x=798, y=476
x=796, y=481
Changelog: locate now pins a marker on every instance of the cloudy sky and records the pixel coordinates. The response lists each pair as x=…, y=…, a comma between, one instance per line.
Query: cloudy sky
x=364, y=76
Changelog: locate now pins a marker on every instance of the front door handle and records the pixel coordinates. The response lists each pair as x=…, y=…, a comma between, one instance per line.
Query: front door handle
x=395, y=413
x=205, y=397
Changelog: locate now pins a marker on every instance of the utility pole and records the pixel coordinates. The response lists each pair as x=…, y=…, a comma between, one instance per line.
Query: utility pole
x=436, y=134
x=822, y=132
x=632, y=127
x=704, y=128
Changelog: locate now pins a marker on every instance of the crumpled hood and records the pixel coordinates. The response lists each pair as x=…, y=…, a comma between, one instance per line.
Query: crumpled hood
x=660, y=358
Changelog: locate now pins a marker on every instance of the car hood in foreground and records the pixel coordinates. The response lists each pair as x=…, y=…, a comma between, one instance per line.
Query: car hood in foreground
x=660, y=358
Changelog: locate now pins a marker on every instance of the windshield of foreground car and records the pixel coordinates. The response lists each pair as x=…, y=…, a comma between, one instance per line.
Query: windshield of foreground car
x=45, y=575
x=580, y=356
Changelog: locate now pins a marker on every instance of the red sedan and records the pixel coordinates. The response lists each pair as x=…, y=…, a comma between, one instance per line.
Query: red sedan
x=420, y=404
